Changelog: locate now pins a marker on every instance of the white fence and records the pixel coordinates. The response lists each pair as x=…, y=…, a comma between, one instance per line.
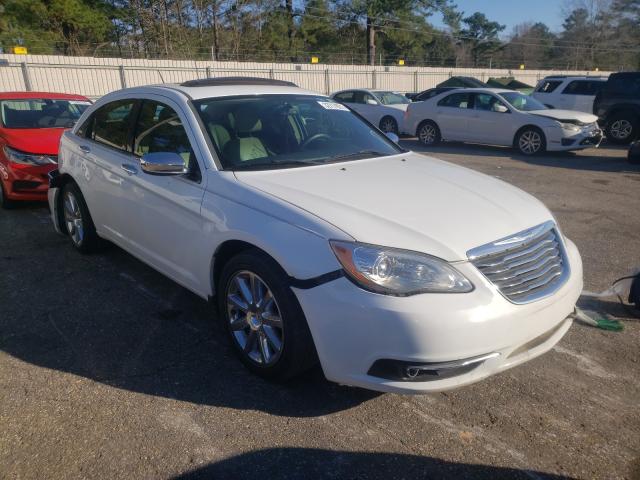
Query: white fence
x=95, y=77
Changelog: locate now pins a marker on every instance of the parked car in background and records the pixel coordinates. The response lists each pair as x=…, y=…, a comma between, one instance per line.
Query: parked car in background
x=31, y=124
x=318, y=238
x=382, y=108
x=633, y=155
x=431, y=92
x=569, y=92
x=617, y=105
x=501, y=117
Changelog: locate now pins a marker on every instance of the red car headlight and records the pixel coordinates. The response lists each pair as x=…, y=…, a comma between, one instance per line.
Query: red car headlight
x=15, y=156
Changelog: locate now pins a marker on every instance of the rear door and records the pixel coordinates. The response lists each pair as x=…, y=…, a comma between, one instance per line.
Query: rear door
x=579, y=95
x=453, y=113
x=100, y=160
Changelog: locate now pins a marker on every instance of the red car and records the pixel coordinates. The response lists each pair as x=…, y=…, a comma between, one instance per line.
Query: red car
x=31, y=124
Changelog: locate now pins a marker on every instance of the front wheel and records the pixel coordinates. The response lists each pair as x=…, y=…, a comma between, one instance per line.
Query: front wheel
x=263, y=318
x=530, y=141
x=4, y=201
x=77, y=220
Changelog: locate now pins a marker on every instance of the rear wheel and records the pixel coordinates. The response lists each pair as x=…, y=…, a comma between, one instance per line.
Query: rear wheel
x=4, y=201
x=530, y=141
x=77, y=220
x=389, y=125
x=429, y=133
x=622, y=128
x=263, y=318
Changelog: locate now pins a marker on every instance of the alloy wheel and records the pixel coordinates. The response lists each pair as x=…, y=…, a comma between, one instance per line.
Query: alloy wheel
x=73, y=218
x=254, y=318
x=428, y=134
x=388, y=125
x=530, y=142
x=621, y=129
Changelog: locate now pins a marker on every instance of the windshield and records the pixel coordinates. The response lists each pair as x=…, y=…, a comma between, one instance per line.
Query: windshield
x=41, y=113
x=521, y=102
x=280, y=131
x=391, y=98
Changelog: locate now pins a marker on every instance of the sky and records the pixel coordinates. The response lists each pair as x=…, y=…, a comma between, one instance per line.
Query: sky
x=513, y=12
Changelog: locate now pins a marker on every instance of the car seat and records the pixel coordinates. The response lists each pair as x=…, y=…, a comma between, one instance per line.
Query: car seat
x=246, y=145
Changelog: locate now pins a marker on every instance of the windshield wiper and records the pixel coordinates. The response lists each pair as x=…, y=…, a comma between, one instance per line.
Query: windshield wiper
x=272, y=165
x=355, y=155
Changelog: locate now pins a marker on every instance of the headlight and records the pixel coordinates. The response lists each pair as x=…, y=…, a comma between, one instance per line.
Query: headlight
x=398, y=272
x=569, y=126
x=16, y=156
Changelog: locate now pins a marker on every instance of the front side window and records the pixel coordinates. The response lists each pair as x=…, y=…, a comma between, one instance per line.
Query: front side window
x=362, y=97
x=487, y=103
x=281, y=131
x=521, y=102
x=109, y=125
x=159, y=129
x=456, y=100
x=41, y=113
x=392, y=98
x=548, y=86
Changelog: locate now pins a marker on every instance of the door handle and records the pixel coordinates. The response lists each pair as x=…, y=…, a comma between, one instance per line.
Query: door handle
x=85, y=149
x=130, y=169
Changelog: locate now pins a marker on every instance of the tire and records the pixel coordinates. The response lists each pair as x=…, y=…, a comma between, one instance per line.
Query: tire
x=428, y=133
x=622, y=128
x=530, y=141
x=77, y=220
x=279, y=325
x=389, y=125
x=5, y=203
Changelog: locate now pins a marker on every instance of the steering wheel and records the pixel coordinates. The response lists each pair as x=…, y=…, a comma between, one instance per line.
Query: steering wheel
x=314, y=138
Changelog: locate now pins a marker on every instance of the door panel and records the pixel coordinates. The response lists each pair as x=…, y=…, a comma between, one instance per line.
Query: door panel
x=453, y=114
x=488, y=125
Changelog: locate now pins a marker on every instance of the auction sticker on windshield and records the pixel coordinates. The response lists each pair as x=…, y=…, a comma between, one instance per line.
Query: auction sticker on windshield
x=333, y=106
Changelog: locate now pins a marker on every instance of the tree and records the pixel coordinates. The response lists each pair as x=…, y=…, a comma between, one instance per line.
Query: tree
x=480, y=35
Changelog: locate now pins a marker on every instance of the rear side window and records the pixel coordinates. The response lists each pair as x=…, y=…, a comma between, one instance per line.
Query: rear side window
x=457, y=100
x=624, y=84
x=110, y=125
x=548, y=86
x=583, y=87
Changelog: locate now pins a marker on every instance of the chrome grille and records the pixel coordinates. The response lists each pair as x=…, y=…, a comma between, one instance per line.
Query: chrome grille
x=526, y=266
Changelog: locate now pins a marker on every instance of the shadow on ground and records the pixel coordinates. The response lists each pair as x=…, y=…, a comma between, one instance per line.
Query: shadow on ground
x=298, y=463
x=596, y=160
x=112, y=319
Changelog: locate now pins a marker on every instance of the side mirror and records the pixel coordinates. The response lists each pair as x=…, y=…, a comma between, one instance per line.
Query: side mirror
x=371, y=101
x=498, y=107
x=163, y=163
x=393, y=137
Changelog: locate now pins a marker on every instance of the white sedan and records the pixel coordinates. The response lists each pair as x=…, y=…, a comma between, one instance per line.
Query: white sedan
x=382, y=108
x=501, y=117
x=317, y=237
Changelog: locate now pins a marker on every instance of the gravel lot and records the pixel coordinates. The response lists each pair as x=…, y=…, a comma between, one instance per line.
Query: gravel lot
x=109, y=370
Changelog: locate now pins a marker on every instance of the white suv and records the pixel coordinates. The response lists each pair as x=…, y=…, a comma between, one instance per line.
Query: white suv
x=569, y=92
x=318, y=237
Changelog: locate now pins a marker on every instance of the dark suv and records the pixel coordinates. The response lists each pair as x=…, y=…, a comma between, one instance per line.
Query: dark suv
x=617, y=105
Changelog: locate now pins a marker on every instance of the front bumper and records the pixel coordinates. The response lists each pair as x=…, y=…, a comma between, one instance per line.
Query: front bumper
x=561, y=139
x=354, y=330
x=25, y=182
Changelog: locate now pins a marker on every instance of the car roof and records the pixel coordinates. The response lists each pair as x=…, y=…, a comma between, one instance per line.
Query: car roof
x=36, y=95
x=482, y=90
x=226, y=87
x=573, y=77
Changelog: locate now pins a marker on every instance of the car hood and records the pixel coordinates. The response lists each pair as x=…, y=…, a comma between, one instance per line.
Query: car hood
x=566, y=115
x=43, y=141
x=406, y=201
